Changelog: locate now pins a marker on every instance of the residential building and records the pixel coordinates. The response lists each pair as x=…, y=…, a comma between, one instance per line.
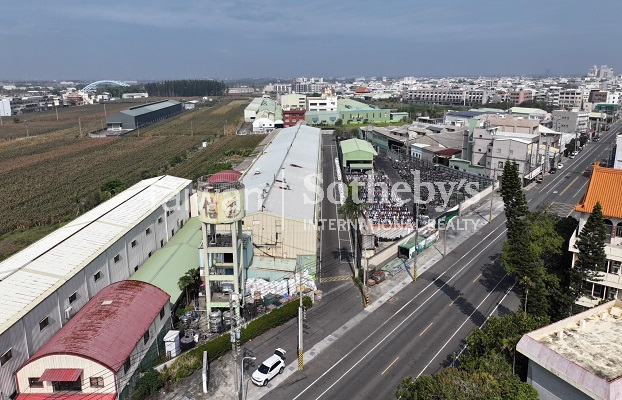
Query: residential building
x=603, y=188
x=528, y=113
x=101, y=351
x=293, y=116
x=142, y=115
x=491, y=148
x=105, y=245
x=295, y=101
x=571, y=99
x=520, y=96
x=570, y=121
x=577, y=358
x=327, y=103
x=617, y=162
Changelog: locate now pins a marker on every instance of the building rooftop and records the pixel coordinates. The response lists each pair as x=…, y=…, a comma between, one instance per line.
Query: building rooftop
x=603, y=187
x=275, y=183
x=350, y=145
x=525, y=110
x=353, y=105
x=149, y=107
x=109, y=326
x=30, y=276
x=164, y=268
x=583, y=350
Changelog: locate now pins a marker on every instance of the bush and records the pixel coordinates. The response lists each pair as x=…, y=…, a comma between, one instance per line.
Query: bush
x=148, y=384
x=189, y=362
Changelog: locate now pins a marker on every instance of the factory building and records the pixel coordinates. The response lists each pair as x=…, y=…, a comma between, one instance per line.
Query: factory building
x=143, y=115
x=283, y=195
x=44, y=285
x=99, y=353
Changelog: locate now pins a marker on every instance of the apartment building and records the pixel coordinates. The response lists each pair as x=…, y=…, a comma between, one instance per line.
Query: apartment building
x=571, y=98
x=570, y=121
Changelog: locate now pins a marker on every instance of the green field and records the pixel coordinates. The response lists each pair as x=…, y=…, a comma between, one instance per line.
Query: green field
x=53, y=177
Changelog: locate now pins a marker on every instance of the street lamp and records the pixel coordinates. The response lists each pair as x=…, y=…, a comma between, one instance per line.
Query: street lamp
x=242, y=394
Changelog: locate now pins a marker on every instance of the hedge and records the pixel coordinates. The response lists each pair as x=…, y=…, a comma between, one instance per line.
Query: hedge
x=189, y=362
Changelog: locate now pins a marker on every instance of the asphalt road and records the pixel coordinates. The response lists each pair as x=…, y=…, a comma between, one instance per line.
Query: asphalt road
x=421, y=330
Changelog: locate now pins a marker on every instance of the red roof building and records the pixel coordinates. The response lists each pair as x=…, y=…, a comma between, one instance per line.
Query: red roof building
x=99, y=349
x=292, y=117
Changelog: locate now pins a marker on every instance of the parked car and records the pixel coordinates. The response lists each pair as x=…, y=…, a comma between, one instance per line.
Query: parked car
x=553, y=170
x=571, y=155
x=560, y=166
x=269, y=368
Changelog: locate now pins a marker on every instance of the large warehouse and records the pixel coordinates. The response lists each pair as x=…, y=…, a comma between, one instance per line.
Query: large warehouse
x=282, y=191
x=44, y=285
x=144, y=114
x=98, y=353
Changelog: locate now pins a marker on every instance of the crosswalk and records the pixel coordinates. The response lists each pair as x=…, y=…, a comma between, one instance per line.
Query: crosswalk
x=336, y=278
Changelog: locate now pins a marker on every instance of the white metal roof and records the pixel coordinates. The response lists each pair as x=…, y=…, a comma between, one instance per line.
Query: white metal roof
x=28, y=277
x=291, y=156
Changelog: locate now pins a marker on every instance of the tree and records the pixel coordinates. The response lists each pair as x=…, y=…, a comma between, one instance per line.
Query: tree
x=190, y=279
x=352, y=209
x=591, y=260
x=520, y=255
x=571, y=146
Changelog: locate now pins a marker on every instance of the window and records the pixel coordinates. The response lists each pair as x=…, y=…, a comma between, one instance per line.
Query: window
x=97, y=275
x=136, y=268
x=500, y=165
x=44, y=323
x=73, y=297
x=148, y=231
x=4, y=358
x=134, y=243
x=146, y=337
x=117, y=258
x=97, y=381
x=35, y=383
x=511, y=152
x=160, y=220
x=614, y=267
x=162, y=312
x=599, y=291
x=611, y=293
x=162, y=243
x=149, y=255
x=172, y=232
x=126, y=365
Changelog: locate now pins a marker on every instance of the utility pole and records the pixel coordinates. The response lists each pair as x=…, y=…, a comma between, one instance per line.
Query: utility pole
x=56, y=110
x=416, y=238
x=300, y=317
x=242, y=394
x=232, y=332
x=191, y=131
x=105, y=115
x=27, y=133
x=492, y=191
x=80, y=125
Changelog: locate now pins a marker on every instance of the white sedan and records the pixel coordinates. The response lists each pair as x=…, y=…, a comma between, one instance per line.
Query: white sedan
x=269, y=368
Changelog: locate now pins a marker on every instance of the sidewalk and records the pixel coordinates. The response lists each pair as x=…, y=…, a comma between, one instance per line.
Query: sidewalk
x=459, y=229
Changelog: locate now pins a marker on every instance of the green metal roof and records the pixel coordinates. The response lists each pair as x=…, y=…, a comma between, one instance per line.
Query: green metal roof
x=361, y=166
x=164, y=268
x=351, y=145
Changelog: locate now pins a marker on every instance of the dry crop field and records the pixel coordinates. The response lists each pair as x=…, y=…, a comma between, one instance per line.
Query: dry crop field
x=48, y=179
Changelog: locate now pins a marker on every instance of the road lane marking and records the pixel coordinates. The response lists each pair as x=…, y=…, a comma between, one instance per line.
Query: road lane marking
x=465, y=321
x=390, y=334
x=390, y=365
x=454, y=300
x=478, y=276
x=428, y=327
x=568, y=187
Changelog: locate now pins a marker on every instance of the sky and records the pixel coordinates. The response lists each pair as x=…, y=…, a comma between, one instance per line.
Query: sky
x=233, y=39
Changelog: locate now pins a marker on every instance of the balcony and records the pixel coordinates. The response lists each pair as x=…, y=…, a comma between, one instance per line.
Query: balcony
x=220, y=240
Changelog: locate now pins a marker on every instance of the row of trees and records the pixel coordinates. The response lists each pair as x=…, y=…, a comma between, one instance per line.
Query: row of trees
x=535, y=252
x=186, y=88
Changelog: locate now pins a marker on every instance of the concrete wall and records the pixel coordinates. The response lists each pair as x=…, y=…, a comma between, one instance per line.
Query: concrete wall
x=296, y=237
x=550, y=386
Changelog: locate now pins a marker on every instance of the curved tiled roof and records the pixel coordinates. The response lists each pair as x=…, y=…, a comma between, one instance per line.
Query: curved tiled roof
x=604, y=187
x=109, y=326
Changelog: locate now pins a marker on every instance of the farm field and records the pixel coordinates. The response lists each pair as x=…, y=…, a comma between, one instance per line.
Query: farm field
x=49, y=179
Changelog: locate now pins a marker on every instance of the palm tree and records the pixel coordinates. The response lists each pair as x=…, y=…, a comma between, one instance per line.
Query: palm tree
x=190, y=278
x=353, y=209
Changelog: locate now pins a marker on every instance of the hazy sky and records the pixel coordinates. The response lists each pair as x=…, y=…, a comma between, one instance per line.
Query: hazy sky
x=156, y=39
